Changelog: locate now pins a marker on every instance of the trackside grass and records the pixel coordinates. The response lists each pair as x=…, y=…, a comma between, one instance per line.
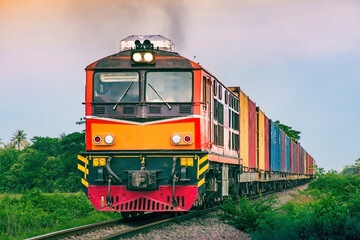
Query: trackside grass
x=34, y=213
x=328, y=209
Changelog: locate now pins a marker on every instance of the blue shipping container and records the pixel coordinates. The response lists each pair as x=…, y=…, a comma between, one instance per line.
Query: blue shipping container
x=275, y=147
x=287, y=154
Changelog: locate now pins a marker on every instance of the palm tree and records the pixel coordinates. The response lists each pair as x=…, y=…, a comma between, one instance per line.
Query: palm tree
x=62, y=136
x=19, y=139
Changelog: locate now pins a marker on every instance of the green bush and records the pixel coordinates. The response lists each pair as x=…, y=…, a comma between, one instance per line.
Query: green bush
x=328, y=209
x=246, y=214
x=35, y=213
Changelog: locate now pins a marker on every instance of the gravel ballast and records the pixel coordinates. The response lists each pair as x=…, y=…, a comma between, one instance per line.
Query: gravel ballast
x=208, y=226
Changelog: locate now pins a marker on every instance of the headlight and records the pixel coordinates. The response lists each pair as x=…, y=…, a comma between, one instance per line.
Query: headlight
x=136, y=57
x=176, y=139
x=109, y=139
x=148, y=57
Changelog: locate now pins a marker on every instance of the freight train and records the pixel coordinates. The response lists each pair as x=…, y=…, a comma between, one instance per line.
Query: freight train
x=164, y=134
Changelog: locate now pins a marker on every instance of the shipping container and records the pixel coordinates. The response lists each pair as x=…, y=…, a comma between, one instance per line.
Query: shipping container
x=298, y=151
x=313, y=164
x=308, y=164
x=275, y=147
x=244, y=129
x=260, y=119
x=267, y=143
x=287, y=154
x=252, y=134
x=304, y=162
x=283, y=149
x=301, y=160
x=293, y=155
x=262, y=141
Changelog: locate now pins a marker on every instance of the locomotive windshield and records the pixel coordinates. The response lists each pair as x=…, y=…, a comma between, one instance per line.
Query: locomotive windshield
x=116, y=87
x=169, y=87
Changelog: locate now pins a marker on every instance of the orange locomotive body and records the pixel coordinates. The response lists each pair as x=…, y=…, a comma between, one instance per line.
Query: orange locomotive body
x=150, y=121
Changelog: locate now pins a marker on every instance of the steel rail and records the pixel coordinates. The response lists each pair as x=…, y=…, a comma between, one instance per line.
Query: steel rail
x=77, y=230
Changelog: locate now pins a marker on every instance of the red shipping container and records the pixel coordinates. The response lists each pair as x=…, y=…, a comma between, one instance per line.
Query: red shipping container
x=308, y=165
x=267, y=148
x=298, y=158
x=291, y=156
x=313, y=165
x=252, y=134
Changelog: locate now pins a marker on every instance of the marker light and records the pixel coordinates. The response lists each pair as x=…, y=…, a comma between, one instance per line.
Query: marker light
x=186, y=162
x=187, y=139
x=99, y=161
x=148, y=57
x=109, y=139
x=176, y=139
x=136, y=57
x=97, y=139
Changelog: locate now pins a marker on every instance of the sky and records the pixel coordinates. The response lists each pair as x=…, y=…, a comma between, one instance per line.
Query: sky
x=299, y=60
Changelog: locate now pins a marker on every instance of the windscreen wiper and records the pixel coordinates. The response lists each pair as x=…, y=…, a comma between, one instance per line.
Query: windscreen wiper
x=160, y=96
x=121, y=98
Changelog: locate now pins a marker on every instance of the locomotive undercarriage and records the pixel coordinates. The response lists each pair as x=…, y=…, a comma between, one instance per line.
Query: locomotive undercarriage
x=171, y=181
x=224, y=180
x=147, y=181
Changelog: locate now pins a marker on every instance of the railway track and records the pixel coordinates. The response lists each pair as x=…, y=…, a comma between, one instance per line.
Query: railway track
x=132, y=226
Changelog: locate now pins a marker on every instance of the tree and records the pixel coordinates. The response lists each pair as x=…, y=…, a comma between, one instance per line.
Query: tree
x=48, y=145
x=353, y=169
x=8, y=157
x=19, y=139
x=292, y=134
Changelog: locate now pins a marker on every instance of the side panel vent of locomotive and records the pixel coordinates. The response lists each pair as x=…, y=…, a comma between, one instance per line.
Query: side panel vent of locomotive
x=99, y=110
x=185, y=109
x=129, y=110
x=154, y=109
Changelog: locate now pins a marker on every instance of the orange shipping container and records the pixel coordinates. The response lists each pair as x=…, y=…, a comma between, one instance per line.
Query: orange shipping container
x=244, y=129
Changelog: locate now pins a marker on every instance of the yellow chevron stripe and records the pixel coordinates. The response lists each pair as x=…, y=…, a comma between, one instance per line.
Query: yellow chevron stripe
x=81, y=158
x=201, y=171
x=201, y=182
x=83, y=169
x=203, y=159
x=84, y=182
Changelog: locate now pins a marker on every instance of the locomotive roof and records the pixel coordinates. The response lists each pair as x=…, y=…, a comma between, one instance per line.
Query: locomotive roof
x=164, y=60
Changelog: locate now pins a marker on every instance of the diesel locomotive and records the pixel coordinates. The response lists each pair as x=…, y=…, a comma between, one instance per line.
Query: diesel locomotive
x=164, y=134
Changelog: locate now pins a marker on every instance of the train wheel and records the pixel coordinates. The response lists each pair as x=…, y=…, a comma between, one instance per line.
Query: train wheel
x=125, y=215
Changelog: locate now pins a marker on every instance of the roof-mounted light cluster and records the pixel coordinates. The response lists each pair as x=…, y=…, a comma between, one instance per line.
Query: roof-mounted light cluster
x=157, y=42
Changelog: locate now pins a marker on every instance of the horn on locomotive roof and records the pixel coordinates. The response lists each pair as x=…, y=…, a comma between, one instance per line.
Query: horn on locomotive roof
x=145, y=45
x=138, y=44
